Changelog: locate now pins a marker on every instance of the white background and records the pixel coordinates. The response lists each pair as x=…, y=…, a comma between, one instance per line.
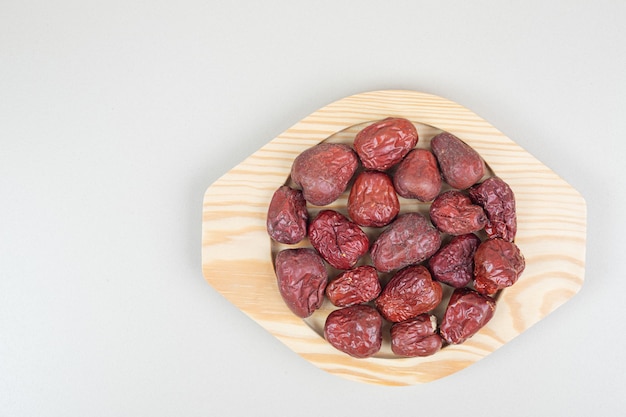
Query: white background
x=115, y=116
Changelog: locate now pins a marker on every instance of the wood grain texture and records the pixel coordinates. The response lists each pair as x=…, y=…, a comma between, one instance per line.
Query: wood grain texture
x=237, y=252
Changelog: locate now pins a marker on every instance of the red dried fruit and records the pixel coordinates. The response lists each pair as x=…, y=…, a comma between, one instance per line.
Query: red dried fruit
x=355, y=330
x=287, y=216
x=453, y=264
x=418, y=176
x=340, y=241
x=373, y=201
x=416, y=337
x=498, y=200
x=383, y=144
x=355, y=286
x=498, y=264
x=453, y=212
x=302, y=277
x=461, y=166
x=409, y=293
x=409, y=239
x=323, y=172
x=467, y=312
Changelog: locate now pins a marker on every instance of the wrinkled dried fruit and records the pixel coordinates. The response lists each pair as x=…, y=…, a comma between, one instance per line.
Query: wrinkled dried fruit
x=467, y=312
x=453, y=212
x=355, y=330
x=497, y=264
x=418, y=176
x=355, y=286
x=453, y=264
x=373, y=201
x=409, y=239
x=302, y=277
x=323, y=172
x=287, y=216
x=409, y=293
x=461, y=166
x=416, y=337
x=340, y=241
x=498, y=200
x=393, y=167
x=383, y=144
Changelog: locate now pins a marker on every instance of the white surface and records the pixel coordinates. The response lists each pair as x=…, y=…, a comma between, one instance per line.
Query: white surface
x=116, y=116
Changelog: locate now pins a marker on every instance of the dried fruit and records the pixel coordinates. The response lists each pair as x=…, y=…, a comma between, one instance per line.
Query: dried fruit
x=355, y=286
x=340, y=241
x=373, y=201
x=497, y=264
x=416, y=337
x=498, y=200
x=453, y=212
x=467, y=312
x=453, y=264
x=409, y=239
x=355, y=330
x=302, y=277
x=418, y=176
x=383, y=144
x=323, y=172
x=461, y=166
x=287, y=216
x=409, y=293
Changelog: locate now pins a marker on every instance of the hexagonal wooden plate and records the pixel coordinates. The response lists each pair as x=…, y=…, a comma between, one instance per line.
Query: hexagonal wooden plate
x=236, y=250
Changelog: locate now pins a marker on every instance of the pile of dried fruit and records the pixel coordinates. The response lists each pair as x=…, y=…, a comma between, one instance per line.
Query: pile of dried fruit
x=421, y=253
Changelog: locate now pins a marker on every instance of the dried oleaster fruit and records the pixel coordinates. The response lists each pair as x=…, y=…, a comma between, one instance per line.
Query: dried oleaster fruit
x=354, y=286
x=461, y=166
x=355, y=330
x=409, y=293
x=416, y=337
x=323, y=172
x=467, y=312
x=340, y=241
x=301, y=276
x=287, y=216
x=453, y=264
x=409, y=239
x=373, y=201
x=498, y=264
x=453, y=212
x=418, y=176
x=498, y=201
x=383, y=144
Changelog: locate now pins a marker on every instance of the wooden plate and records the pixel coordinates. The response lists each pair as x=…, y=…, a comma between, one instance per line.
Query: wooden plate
x=237, y=252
